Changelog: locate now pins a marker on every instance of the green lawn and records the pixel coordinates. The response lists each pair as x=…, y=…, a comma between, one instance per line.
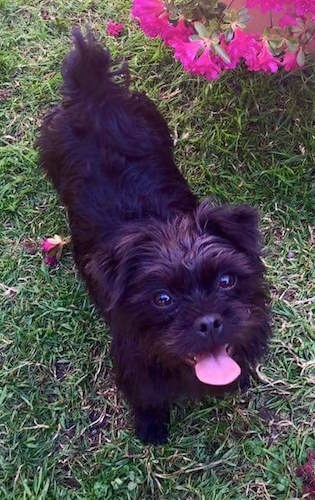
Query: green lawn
x=64, y=431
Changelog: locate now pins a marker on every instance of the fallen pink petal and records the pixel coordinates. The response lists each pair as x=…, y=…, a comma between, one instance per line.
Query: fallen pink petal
x=51, y=261
x=52, y=248
x=114, y=29
x=307, y=473
x=50, y=243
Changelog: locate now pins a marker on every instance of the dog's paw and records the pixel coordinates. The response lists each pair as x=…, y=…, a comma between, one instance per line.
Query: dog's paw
x=244, y=382
x=152, y=426
x=152, y=433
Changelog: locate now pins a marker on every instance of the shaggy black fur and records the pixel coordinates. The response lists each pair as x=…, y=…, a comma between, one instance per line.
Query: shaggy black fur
x=173, y=278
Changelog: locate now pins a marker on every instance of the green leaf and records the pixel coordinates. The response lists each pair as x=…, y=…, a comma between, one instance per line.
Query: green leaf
x=229, y=35
x=300, y=58
x=244, y=16
x=221, y=53
x=193, y=38
x=292, y=46
x=201, y=29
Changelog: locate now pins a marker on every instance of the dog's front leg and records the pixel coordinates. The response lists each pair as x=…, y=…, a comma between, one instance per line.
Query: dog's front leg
x=146, y=392
x=151, y=424
x=146, y=389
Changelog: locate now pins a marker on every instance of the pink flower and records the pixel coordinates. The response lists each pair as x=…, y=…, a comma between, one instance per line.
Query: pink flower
x=207, y=65
x=201, y=56
x=113, y=28
x=51, y=260
x=267, y=5
x=307, y=473
x=197, y=58
x=264, y=60
x=287, y=20
x=153, y=20
x=52, y=248
x=186, y=52
x=243, y=46
x=297, y=7
x=305, y=7
x=289, y=61
x=178, y=32
x=233, y=56
x=151, y=15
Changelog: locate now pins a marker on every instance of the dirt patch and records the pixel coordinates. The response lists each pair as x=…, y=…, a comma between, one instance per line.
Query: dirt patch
x=30, y=246
x=4, y=94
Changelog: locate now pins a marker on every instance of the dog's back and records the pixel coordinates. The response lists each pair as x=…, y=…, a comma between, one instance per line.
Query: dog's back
x=105, y=138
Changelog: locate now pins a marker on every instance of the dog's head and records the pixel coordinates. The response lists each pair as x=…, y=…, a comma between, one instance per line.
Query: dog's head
x=189, y=291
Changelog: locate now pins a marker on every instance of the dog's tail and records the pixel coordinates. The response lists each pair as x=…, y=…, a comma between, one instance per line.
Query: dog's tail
x=87, y=71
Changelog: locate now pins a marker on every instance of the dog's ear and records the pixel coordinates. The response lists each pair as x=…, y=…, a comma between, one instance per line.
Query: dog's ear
x=100, y=272
x=238, y=224
x=110, y=267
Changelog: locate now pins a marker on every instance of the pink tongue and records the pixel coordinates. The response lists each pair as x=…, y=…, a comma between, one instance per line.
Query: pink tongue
x=217, y=368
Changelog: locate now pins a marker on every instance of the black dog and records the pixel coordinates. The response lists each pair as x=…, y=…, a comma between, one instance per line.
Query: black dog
x=181, y=284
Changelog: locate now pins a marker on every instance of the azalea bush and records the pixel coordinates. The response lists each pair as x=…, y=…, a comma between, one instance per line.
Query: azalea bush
x=210, y=36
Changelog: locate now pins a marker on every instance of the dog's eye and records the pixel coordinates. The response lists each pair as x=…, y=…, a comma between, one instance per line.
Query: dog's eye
x=226, y=280
x=162, y=299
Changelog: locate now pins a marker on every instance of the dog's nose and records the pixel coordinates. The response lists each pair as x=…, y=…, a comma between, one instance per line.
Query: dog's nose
x=209, y=326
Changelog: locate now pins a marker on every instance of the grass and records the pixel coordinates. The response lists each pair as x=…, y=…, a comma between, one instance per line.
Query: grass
x=64, y=431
